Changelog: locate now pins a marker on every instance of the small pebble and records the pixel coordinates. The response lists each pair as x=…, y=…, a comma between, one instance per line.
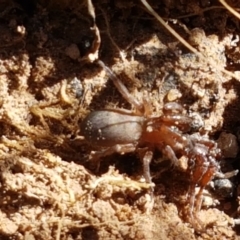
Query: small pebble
x=173, y=95
x=227, y=142
x=72, y=51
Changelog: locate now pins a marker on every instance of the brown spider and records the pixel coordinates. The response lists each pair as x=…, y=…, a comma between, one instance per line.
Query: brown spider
x=122, y=131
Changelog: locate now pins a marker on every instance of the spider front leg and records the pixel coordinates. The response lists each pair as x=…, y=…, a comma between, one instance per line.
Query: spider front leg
x=204, y=168
x=206, y=178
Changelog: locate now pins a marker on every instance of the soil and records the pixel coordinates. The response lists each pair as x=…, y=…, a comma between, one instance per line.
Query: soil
x=48, y=187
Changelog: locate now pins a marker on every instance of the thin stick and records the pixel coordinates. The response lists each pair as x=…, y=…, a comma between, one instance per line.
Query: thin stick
x=230, y=9
x=184, y=42
x=171, y=30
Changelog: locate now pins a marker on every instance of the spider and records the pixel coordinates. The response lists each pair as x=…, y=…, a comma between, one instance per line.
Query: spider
x=122, y=131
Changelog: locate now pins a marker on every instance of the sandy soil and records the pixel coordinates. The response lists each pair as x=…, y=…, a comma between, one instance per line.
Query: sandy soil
x=48, y=188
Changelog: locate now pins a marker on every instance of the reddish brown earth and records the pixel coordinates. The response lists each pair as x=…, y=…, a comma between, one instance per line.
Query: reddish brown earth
x=48, y=188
